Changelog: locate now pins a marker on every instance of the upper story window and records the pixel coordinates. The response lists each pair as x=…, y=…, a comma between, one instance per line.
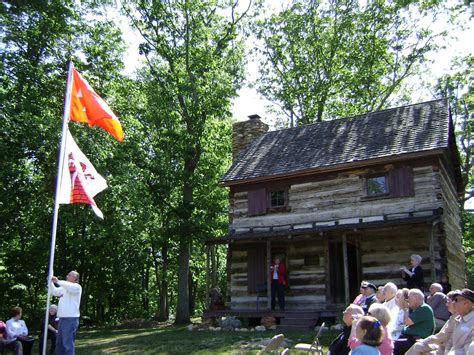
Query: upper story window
x=377, y=185
x=397, y=182
x=263, y=200
x=277, y=199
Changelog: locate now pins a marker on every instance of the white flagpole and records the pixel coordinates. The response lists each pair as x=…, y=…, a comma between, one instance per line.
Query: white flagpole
x=67, y=105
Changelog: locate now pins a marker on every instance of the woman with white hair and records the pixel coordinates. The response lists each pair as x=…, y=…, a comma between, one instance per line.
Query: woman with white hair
x=382, y=314
x=413, y=275
x=53, y=322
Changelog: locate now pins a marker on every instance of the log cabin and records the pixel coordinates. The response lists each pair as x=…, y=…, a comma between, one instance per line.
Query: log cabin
x=339, y=202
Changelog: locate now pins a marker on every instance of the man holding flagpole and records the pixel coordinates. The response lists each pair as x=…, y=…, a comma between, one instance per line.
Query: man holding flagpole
x=69, y=293
x=77, y=182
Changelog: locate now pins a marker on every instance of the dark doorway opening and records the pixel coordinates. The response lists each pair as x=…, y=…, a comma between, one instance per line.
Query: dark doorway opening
x=336, y=271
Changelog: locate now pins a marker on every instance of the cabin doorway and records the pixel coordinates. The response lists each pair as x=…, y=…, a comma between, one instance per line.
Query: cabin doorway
x=336, y=271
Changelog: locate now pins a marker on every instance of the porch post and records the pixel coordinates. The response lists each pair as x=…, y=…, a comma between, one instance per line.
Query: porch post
x=432, y=253
x=346, y=268
x=207, y=275
x=267, y=270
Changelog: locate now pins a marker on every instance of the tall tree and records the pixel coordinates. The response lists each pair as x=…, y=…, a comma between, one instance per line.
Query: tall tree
x=195, y=56
x=326, y=59
x=38, y=38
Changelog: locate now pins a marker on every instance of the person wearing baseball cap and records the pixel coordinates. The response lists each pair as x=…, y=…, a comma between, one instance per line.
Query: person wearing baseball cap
x=369, y=293
x=463, y=332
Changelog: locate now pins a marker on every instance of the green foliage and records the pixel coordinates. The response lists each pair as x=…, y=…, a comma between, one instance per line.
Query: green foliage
x=329, y=59
x=194, y=68
x=38, y=40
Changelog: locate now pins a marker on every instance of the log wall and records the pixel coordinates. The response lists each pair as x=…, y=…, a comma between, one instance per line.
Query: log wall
x=383, y=251
x=452, y=236
x=306, y=283
x=338, y=198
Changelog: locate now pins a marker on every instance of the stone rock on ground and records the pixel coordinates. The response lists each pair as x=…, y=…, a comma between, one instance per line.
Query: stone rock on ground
x=268, y=321
x=260, y=328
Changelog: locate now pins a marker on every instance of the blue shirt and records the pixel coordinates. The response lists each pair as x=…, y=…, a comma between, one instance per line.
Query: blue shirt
x=364, y=349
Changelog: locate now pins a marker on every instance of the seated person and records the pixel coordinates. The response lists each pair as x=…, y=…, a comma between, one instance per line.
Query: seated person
x=390, y=292
x=463, y=332
x=17, y=330
x=370, y=334
x=380, y=294
x=339, y=345
x=436, y=343
x=382, y=314
x=14, y=345
x=369, y=292
x=438, y=303
x=53, y=322
x=419, y=322
x=360, y=299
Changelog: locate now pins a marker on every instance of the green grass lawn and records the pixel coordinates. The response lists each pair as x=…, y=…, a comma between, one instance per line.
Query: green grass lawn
x=178, y=340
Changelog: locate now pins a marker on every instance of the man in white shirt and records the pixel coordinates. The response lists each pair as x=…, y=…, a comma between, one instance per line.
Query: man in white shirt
x=390, y=291
x=69, y=293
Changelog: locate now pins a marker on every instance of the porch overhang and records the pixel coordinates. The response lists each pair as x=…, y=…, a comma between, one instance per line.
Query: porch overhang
x=295, y=230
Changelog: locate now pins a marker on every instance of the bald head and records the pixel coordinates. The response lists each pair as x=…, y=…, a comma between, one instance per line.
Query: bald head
x=351, y=312
x=73, y=276
x=415, y=298
x=435, y=288
x=390, y=290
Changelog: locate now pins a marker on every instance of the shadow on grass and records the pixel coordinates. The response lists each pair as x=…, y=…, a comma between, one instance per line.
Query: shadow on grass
x=178, y=340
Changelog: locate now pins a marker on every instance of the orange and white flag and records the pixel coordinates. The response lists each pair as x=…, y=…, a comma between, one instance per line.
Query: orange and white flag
x=90, y=108
x=80, y=182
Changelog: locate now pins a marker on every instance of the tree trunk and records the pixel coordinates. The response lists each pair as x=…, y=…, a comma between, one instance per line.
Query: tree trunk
x=192, y=294
x=146, y=283
x=213, y=266
x=182, y=307
x=164, y=309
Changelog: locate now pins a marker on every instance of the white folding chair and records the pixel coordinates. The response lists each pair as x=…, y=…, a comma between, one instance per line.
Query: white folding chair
x=274, y=345
x=315, y=347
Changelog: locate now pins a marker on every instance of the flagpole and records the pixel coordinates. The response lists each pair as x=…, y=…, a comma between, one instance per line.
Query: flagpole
x=67, y=104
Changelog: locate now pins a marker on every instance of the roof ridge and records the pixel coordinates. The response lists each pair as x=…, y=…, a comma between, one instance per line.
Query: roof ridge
x=355, y=116
x=357, y=138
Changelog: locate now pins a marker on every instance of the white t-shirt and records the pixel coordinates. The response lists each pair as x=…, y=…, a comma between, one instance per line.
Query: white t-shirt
x=15, y=328
x=69, y=294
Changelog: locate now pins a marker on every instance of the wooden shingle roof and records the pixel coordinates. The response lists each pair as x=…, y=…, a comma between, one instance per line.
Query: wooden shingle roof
x=409, y=129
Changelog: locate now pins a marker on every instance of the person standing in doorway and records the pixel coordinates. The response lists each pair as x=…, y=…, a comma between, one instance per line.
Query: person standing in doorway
x=278, y=276
x=69, y=293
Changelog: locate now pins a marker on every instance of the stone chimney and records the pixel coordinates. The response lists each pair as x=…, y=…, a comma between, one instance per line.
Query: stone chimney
x=244, y=132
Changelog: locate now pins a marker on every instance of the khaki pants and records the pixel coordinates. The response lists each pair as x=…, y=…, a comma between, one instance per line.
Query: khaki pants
x=419, y=348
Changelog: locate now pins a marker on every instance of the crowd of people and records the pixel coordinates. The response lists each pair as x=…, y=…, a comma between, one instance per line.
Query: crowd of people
x=63, y=321
x=386, y=320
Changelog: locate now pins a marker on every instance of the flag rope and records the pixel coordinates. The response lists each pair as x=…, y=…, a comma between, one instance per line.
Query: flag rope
x=66, y=113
